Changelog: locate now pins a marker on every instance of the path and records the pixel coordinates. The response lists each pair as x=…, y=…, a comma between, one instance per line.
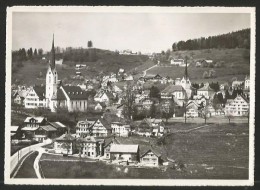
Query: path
x=144, y=72
x=36, y=163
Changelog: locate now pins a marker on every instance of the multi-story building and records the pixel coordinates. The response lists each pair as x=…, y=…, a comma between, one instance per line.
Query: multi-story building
x=120, y=129
x=237, y=107
x=91, y=146
x=83, y=128
x=101, y=128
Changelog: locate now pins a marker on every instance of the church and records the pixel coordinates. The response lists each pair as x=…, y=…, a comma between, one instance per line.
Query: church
x=54, y=95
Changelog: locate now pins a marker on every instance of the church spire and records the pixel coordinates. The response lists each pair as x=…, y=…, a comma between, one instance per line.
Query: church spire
x=186, y=69
x=52, y=63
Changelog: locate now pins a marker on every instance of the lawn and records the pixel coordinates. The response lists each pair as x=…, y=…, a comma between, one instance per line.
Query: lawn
x=219, y=151
x=27, y=170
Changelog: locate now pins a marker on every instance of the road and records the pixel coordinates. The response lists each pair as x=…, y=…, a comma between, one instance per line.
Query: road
x=145, y=71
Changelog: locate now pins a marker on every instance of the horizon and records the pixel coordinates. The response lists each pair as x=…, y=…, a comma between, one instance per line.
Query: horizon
x=144, y=32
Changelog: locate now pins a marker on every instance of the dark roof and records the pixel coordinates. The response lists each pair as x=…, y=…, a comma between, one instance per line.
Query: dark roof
x=173, y=88
x=75, y=93
x=57, y=125
x=150, y=150
x=40, y=91
x=59, y=96
x=105, y=123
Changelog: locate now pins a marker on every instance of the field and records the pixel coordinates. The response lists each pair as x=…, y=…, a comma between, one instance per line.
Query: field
x=216, y=151
x=236, y=64
x=27, y=170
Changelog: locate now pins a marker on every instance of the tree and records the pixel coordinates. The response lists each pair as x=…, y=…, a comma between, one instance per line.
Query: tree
x=154, y=92
x=168, y=110
x=40, y=52
x=205, y=111
x=153, y=110
x=128, y=100
x=35, y=52
x=90, y=44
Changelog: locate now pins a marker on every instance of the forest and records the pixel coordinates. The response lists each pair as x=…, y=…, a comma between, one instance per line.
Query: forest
x=237, y=39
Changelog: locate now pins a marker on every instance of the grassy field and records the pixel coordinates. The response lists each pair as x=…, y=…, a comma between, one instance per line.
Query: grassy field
x=27, y=170
x=236, y=64
x=213, y=152
x=17, y=118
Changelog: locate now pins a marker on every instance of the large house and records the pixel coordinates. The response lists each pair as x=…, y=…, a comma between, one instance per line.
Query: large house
x=91, y=146
x=101, y=128
x=83, y=128
x=124, y=152
x=151, y=127
x=237, y=107
x=206, y=91
x=150, y=158
x=177, y=61
x=38, y=129
x=120, y=129
x=173, y=91
x=65, y=144
x=54, y=95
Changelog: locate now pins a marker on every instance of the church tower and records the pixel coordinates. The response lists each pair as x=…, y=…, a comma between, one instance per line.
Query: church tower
x=185, y=82
x=51, y=78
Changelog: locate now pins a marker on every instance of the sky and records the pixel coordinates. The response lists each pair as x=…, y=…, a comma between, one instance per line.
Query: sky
x=145, y=32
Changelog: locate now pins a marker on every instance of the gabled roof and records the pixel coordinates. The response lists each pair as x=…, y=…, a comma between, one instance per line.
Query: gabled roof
x=173, y=88
x=40, y=91
x=90, y=139
x=14, y=128
x=66, y=137
x=38, y=119
x=48, y=128
x=57, y=125
x=104, y=123
x=59, y=96
x=124, y=148
x=75, y=93
x=150, y=150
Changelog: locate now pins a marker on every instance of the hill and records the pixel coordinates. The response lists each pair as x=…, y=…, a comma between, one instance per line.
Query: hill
x=31, y=72
x=236, y=63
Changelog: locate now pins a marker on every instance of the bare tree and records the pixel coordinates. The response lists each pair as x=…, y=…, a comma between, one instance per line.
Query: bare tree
x=128, y=102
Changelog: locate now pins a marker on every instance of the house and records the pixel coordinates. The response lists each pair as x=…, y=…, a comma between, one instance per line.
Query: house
x=237, y=84
x=237, y=107
x=37, y=128
x=65, y=144
x=146, y=103
x=83, y=128
x=223, y=86
x=150, y=158
x=105, y=97
x=206, y=91
x=59, y=62
x=100, y=106
x=19, y=96
x=129, y=78
x=61, y=128
x=247, y=83
x=14, y=130
x=157, y=125
x=91, y=147
x=192, y=109
x=107, y=147
x=124, y=152
x=171, y=91
x=177, y=61
x=35, y=98
x=120, y=129
x=101, y=128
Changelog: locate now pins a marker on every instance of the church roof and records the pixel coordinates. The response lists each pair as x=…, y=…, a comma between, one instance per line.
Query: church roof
x=206, y=87
x=75, y=93
x=59, y=96
x=40, y=90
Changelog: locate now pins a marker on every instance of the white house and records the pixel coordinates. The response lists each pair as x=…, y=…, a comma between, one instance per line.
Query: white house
x=237, y=107
x=177, y=61
x=101, y=128
x=83, y=128
x=206, y=91
x=120, y=129
x=35, y=98
x=150, y=158
x=247, y=83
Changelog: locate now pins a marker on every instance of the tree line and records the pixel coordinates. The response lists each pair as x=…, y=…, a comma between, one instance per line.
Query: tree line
x=237, y=39
x=23, y=55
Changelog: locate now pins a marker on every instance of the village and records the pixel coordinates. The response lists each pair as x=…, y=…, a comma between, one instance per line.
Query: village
x=126, y=112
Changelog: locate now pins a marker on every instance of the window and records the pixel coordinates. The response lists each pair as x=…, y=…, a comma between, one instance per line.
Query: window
x=49, y=79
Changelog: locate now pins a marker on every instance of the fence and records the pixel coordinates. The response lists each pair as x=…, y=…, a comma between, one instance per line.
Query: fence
x=15, y=158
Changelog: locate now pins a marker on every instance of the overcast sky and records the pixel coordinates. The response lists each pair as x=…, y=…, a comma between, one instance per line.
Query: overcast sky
x=145, y=32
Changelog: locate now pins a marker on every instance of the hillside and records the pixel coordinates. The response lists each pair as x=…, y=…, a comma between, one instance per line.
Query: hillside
x=28, y=72
x=236, y=63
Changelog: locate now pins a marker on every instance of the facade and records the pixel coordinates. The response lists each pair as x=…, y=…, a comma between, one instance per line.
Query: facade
x=150, y=158
x=247, y=83
x=206, y=91
x=173, y=91
x=192, y=109
x=177, y=61
x=120, y=129
x=35, y=98
x=91, y=147
x=124, y=152
x=237, y=107
x=83, y=128
x=101, y=128
x=65, y=144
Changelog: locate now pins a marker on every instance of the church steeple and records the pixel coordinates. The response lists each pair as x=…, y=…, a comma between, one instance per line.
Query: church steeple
x=186, y=69
x=52, y=63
